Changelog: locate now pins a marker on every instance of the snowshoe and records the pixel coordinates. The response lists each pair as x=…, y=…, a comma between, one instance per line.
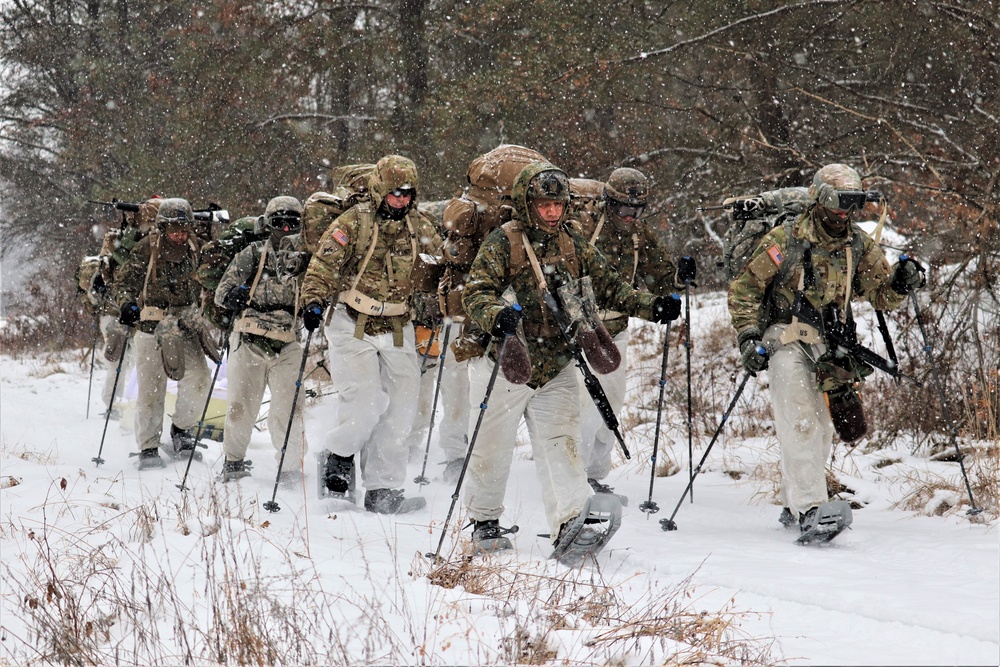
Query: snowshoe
x=391, y=501
x=488, y=537
x=823, y=523
x=587, y=534
x=600, y=487
x=182, y=441
x=149, y=458
x=336, y=476
x=233, y=470
x=787, y=519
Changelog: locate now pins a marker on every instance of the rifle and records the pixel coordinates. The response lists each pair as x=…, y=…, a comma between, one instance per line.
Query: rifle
x=842, y=337
x=116, y=204
x=590, y=380
x=842, y=340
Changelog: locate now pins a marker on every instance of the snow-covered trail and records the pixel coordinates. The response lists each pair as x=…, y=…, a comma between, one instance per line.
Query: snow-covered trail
x=897, y=589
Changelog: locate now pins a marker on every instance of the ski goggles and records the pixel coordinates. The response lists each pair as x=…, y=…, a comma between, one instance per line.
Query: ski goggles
x=285, y=221
x=625, y=211
x=848, y=200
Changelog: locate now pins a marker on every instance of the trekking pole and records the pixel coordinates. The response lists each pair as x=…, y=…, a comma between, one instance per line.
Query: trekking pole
x=649, y=506
x=271, y=505
x=687, y=270
x=427, y=351
x=93, y=350
x=669, y=524
x=421, y=479
x=468, y=454
x=890, y=350
x=204, y=411
x=107, y=416
x=945, y=412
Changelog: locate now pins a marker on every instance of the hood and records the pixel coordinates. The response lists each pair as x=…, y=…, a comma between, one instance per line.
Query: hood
x=391, y=172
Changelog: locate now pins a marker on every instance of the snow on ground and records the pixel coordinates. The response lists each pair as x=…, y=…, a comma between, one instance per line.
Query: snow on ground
x=346, y=586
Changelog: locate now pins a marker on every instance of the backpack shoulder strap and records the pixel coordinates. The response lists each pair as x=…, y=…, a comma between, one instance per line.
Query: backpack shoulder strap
x=518, y=257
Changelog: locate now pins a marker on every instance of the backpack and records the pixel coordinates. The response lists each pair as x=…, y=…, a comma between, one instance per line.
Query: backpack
x=322, y=208
x=585, y=197
x=753, y=217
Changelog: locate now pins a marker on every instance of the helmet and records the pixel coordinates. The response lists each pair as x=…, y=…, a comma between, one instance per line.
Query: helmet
x=831, y=182
x=550, y=184
x=539, y=180
x=283, y=214
x=175, y=212
x=628, y=186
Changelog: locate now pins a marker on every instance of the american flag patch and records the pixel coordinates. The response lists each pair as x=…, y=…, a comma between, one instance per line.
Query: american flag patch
x=339, y=236
x=775, y=254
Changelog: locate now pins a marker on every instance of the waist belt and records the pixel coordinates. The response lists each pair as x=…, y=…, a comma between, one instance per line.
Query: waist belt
x=366, y=305
x=248, y=326
x=152, y=314
x=537, y=330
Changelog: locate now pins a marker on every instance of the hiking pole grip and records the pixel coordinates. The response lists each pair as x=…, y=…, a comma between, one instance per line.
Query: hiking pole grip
x=650, y=507
x=272, y=505
x=669, y=524
x=945, y=412
x=421, y=479
x=436, y=556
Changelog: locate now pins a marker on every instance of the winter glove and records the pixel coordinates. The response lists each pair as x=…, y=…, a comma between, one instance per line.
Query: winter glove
x=506, y=322
x=666, y=308
x=238, y=298
x=686, y=270
x=752, y=353
x=312, y=316
x=908, y=276
x=129, y=314
x=99, y=286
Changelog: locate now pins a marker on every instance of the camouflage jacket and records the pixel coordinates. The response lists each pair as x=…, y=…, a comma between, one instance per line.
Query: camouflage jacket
x=489, y=279
x=748, y=302
x=171, y=284
x=273, y=301
x=655, y=271
x=386, y=277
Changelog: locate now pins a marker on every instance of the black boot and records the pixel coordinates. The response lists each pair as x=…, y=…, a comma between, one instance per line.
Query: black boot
x=337, y=477
x=182, y=441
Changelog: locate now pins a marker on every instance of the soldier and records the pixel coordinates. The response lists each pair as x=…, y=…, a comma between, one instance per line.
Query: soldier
x=797, y=285
x=157, y=293
x=364, y=260
x=260, y=287
x=634, y=251
x=116, y=245
x=513, y=258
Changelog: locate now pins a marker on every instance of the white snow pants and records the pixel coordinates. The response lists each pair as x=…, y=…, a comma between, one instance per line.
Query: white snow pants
x=127, y=363
x=598, y=441
x=375, y=404
x=191, y=390
x=249, y=372
x=452, y=406
x=552, y=415
x=801, y=420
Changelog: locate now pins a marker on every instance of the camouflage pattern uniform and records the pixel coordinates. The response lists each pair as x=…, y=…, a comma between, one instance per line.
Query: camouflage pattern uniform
x=802, y=419
x=373, y=361
x=264, y=351
x=549, y=401
x=158, y=276
x=636, y=253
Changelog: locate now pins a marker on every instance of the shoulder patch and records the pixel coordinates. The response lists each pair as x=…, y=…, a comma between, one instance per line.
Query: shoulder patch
x=774, y=252
x=339, y=236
